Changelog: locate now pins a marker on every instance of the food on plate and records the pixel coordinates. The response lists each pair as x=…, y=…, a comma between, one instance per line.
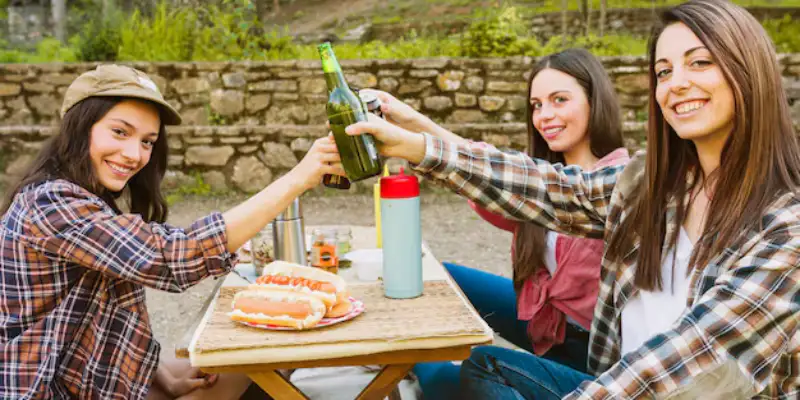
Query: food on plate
x=282, y=308
x=340, y=309
x=330, y=288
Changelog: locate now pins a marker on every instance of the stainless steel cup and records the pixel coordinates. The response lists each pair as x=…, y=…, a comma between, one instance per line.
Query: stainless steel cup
x=289, y=235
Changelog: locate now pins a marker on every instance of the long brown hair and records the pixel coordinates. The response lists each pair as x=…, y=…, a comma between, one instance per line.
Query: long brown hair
x=66, y=156
x=759, y=161
x=605, y=135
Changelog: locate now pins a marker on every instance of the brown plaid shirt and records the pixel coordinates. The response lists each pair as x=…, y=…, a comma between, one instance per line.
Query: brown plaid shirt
x=742, y=311
x=73, y=321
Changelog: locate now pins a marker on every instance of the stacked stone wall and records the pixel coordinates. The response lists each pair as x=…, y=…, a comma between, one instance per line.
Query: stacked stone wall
x=246, y=123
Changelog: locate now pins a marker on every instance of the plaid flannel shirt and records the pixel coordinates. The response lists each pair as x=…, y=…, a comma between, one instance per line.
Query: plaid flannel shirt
x=73, y=321
x=739, y=332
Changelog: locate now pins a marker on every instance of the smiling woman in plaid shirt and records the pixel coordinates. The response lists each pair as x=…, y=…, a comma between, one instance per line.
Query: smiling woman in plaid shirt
x=73, y=321
x=699, y=294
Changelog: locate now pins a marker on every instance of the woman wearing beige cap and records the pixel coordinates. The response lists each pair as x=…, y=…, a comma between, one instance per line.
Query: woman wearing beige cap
x=73, y=265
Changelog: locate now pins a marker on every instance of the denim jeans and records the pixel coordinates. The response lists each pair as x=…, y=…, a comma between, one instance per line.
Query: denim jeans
x=494, y=298
x=497, y=373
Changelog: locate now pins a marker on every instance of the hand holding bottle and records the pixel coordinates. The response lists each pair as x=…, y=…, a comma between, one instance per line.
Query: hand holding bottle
x=400, y=113
x=394, y=141
x=323, y=158
x=404, y=116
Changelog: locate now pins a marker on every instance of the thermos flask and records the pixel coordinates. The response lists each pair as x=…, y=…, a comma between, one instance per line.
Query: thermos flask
x=401, y=236
x=289, y=234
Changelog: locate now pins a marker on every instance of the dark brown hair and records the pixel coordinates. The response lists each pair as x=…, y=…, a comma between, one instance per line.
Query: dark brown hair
x=759, y=161
x=605, y=135
x=66, y=156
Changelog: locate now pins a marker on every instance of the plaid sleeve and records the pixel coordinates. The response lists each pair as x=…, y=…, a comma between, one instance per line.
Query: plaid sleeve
x=746, y=318
x=563, y=199
x=70, y=224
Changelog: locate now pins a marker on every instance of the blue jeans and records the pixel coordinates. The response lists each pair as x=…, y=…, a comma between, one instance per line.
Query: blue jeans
x=494, y=298
x=497, y=373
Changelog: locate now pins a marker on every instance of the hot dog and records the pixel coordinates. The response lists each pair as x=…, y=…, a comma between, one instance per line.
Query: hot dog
x=290, y=309
x=330, y=288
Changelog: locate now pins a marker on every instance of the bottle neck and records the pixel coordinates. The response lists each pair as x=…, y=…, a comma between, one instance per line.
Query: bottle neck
x=333, y=72
x=335, y=79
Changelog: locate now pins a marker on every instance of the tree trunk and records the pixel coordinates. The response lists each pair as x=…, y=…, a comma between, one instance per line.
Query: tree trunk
x=261, y=10
x=59, y=8
x=276, y=6
x=564, y=5
x=588, y=18
x=603, y=9
x=108, y=9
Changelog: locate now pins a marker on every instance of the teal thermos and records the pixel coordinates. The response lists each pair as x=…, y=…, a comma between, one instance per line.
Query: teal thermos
x=401, y=236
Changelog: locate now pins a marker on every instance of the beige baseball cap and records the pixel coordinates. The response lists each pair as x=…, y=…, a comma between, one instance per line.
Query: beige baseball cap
x=118, y=81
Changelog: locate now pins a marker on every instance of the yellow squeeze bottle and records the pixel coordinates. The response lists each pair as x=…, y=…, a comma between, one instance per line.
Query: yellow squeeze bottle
x=376, y=194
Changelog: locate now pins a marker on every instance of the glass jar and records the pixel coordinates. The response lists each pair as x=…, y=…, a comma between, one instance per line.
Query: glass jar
x=324, y=250
x=261, y=246
x=344, y=240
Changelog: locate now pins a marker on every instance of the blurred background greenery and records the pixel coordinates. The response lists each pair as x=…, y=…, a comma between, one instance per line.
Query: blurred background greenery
x=187, y=30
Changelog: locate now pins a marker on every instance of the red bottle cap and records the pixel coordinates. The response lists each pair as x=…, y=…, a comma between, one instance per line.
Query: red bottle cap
x=399, y=186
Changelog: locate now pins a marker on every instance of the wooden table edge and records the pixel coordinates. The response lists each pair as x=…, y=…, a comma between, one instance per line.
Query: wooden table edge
x=460, y=352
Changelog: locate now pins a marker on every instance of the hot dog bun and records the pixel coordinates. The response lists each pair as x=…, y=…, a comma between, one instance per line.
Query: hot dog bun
x=289, y=277
x=283, y=308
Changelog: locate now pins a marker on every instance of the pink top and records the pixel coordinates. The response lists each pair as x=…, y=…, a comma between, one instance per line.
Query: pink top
x=546, y=300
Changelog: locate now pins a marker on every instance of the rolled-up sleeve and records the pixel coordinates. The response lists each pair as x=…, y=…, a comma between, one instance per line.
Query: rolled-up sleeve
x=563, y=199
x=69, y=224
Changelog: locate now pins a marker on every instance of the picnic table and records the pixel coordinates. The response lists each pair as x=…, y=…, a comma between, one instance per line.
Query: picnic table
x=440, y=325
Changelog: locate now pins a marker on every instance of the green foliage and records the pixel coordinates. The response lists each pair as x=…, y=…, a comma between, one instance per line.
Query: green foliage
x=167, y=36
x=198, y=187
x=216, y=119
x=601, y=46
x=785, y=34
x=99, y=40
x=499, y=33
x=47, y=50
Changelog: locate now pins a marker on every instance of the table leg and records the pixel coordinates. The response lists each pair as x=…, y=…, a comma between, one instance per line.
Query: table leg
x=385, y=382
x=277, y=386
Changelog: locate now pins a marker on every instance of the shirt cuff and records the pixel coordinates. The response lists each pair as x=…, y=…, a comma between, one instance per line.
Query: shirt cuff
x=440, y=156
x=214, y=242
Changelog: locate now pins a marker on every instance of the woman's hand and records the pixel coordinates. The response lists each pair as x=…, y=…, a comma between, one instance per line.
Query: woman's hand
x=400, y=113
x=321, y=159
x=394, y=140
x=186, y=381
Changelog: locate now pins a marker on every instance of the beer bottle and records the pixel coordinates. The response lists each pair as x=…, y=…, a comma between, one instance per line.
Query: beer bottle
x=359, y=154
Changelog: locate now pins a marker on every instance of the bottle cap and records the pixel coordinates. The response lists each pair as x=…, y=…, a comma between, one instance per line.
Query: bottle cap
x=399, y=186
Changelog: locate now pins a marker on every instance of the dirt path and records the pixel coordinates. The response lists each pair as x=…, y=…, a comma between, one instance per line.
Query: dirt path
x=321, y=15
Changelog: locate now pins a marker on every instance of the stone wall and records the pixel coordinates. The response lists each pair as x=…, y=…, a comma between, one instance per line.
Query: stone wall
x=273, y=111
x=636, y=21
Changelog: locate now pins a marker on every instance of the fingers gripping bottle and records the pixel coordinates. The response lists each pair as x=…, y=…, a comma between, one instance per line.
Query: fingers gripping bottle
x=401, y=236
x=359, y=154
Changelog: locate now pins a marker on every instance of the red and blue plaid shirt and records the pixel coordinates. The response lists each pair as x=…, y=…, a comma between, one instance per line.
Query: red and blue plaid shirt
x=739, y=333
x=73, y=321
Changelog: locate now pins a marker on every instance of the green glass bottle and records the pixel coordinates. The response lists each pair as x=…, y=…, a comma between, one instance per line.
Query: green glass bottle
x=359, y=154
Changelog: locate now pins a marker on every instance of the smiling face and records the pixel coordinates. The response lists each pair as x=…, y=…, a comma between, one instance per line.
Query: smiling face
x=560, y=110
x=122, y=142
x=691, y=90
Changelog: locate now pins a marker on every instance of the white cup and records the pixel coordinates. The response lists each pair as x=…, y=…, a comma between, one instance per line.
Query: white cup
x=368, y=263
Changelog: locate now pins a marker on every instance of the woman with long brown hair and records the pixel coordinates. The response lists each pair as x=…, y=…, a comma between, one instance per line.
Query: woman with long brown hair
x=573, y=118
x=700, y=281
x=83, y=234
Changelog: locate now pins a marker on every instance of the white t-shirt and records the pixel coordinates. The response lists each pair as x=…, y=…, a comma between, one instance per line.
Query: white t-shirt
x=651, y=313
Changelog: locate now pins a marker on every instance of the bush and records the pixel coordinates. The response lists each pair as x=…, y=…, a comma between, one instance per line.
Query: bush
x=601, y=46
x=168, y=36
x=498, y=34
x=99, y=40
x=785, y=34
x=47, y=50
